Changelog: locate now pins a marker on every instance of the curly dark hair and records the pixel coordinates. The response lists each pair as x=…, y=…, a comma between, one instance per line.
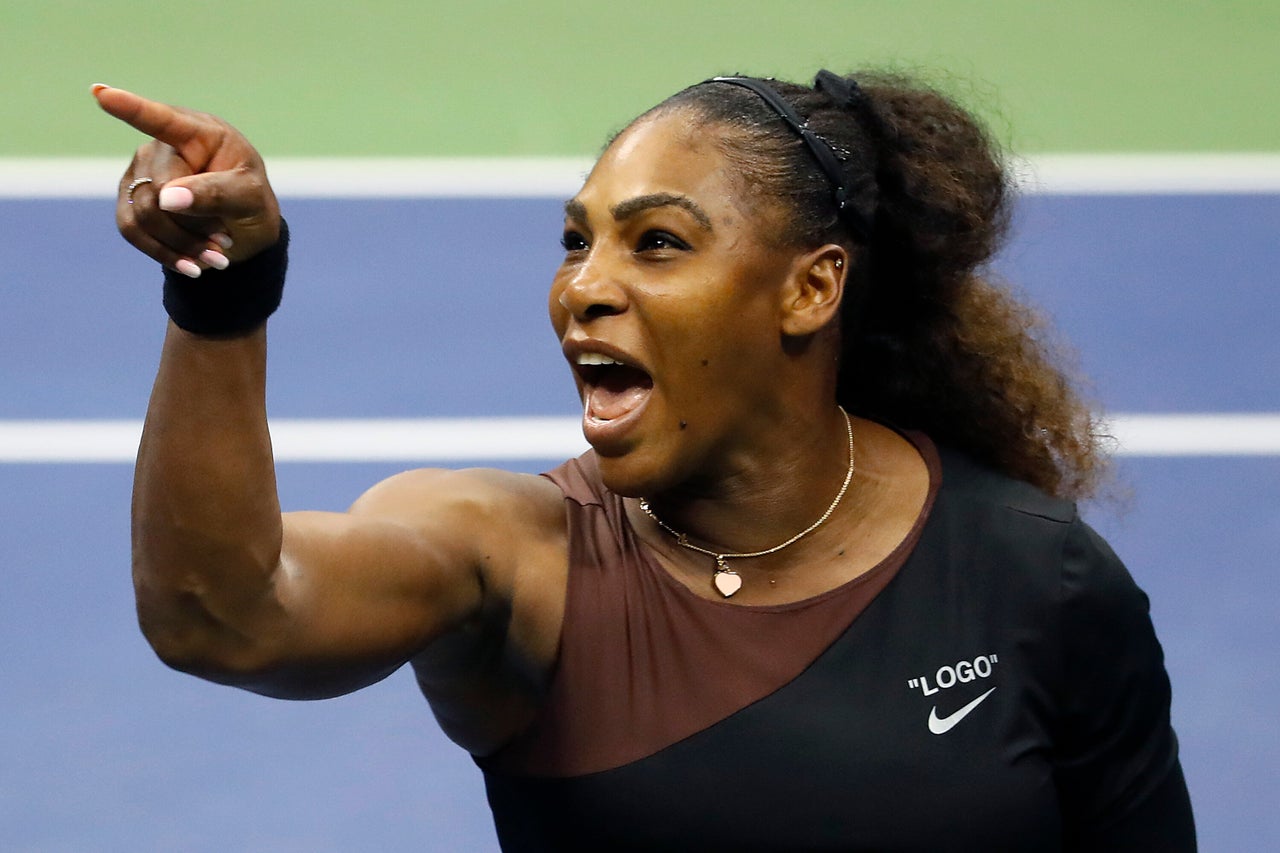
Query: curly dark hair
x=929, y=341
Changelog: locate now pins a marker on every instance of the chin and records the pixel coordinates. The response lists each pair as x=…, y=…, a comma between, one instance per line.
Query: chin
x=632, y=475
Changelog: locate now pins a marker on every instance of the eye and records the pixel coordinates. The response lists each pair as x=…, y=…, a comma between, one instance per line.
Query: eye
x=657, y=241
x=572, y=241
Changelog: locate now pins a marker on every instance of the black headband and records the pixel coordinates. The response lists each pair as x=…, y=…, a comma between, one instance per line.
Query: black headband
x=845, y=93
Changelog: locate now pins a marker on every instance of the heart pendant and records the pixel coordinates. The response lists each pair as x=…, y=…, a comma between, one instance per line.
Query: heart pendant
x=727, y=582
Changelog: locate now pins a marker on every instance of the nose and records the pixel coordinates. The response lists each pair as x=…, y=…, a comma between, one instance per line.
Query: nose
x=591, y=290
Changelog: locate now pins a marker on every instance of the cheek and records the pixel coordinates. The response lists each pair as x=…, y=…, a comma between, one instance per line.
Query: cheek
x=722, y=358
x=742, y=321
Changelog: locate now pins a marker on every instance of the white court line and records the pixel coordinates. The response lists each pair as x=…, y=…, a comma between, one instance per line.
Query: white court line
x=445, y=440
x=325, y=177
x=1148, y=174
x=469, y=440
x=1252, y=434
x=560, y=177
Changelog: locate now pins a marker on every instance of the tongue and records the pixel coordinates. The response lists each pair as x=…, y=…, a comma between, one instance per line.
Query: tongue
x=618, y=391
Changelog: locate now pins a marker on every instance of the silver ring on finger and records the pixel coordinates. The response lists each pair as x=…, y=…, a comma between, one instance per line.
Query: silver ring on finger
x=133, y=186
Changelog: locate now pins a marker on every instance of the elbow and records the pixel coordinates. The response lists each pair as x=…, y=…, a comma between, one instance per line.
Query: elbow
x=200, y=645
x=215, y=618
x=255, y=667
x=193, y=646
x=188, y=636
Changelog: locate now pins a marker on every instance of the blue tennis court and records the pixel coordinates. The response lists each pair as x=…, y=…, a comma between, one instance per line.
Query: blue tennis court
x=435, y=307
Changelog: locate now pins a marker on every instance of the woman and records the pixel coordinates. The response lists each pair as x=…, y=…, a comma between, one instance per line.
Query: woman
x=819, y=583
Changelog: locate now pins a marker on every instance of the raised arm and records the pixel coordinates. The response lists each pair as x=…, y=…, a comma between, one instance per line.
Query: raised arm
x=304, y=604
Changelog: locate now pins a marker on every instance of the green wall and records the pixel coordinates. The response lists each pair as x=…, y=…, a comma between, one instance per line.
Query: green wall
x=487, y=78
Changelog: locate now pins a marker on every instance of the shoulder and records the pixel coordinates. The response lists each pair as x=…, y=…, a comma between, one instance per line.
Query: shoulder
x=967, y=481
x=503, y=525
x=464, y=500
x=1085, y=566
x=509, y=528
x=996, y=532
x=1026, y=552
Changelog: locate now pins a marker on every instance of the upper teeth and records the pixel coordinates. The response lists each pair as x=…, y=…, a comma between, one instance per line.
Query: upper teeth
x=596, y=358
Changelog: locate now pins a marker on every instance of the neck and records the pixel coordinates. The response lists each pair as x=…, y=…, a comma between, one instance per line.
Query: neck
x=769, y=498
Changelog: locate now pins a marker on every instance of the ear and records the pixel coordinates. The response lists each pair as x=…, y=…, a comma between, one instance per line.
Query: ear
x=811, y=297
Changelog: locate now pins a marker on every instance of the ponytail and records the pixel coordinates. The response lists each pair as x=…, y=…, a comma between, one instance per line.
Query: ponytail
x=929, y=342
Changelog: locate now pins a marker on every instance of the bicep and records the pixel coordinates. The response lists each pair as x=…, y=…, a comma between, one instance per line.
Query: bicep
x=357, y=594
x=356, y=597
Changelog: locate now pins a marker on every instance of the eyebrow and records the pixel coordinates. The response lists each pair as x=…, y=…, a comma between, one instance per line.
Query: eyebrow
x=576, y=210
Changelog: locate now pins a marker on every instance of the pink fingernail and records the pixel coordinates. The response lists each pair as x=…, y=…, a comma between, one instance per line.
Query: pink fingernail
x=217, y=260
x=176, y=198
x=98, y=87
x=223, y=240
x=187, y=268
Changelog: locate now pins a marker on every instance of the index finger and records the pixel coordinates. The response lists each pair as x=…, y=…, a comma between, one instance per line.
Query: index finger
x=159, y=121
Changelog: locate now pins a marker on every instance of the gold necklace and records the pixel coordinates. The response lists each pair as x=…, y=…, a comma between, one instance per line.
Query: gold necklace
x=725, y=579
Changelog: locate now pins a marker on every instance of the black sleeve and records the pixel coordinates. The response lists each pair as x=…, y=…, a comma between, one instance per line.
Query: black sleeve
x=1119, y=779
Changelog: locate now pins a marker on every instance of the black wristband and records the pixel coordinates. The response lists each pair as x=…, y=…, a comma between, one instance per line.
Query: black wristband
x=230, y=302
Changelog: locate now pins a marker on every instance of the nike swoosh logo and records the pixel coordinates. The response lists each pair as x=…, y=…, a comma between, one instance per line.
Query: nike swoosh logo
x=946, y=724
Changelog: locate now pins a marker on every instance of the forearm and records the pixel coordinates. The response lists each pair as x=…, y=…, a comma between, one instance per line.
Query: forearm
x=206, y=516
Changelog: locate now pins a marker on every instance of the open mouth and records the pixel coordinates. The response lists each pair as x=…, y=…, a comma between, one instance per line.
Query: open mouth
x=610, y=388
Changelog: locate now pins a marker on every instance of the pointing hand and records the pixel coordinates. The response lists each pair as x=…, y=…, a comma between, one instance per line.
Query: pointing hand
x=207, y=202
